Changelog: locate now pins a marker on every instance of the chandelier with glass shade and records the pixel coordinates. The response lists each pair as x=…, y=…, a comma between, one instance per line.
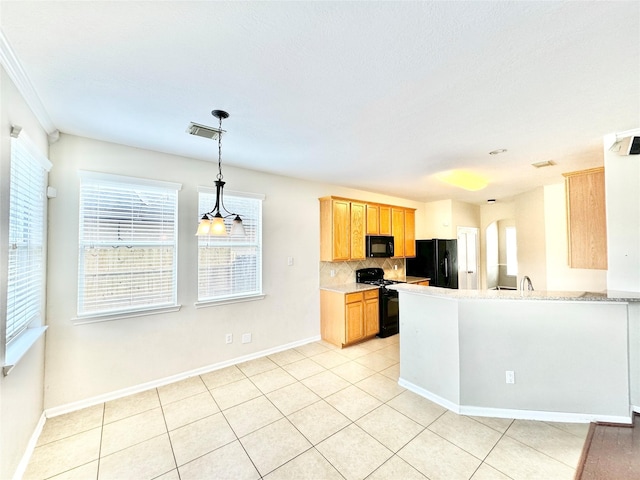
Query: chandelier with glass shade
x=212, y=223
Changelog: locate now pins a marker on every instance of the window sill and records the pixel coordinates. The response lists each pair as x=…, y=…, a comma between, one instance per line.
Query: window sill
x=20, y=346
x=227, y=301
x=123, y=315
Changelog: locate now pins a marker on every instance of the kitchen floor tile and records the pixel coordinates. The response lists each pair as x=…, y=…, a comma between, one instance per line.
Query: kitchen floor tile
x=485, y=472
x=314, y=466
x=274, y=445
x=311, y=349
x=353, y=372
x=232, y=394
x=390, y=427
x=286, y=357
x=304, y=368
x=88, y=470
x=578, y=429
x=438, y=459
x=318, y=421
x=330, y=359
x=171, y=475
x=182, y=389
x=392, y=352
x=221, y=377
x=554, y=442
x=65, y=454
x=353, y=402
x=381, y=387
x=376, y=362
x=230, y=462
x=499, y=424
x=292, y=398
x=259, y=365
x=131, y=430
x=325, y=383
x=201, y=437
x=353, y=452
x=272, y=380
x=418, y=409
x=393, y=372
x=148, y=459
x=72, y=423
x=396, y=468
x=189, y=410
x=355, y=351
x=132, y=405
x=520, y=462
x=471, y=436
x=252, y=415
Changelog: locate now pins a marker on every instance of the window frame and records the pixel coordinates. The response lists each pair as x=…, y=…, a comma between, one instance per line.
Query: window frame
x=33, y=179
x=258, y=293
x=88, y=178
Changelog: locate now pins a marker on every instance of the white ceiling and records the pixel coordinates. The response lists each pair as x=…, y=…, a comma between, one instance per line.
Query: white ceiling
x=372, y=95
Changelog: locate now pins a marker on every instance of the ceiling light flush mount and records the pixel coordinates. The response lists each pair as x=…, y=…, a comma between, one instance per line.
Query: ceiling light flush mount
x=212, y=223
x=547, y=163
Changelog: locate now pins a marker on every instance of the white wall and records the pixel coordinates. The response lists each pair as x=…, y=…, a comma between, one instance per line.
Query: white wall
x=87, y=361
x=21, y=393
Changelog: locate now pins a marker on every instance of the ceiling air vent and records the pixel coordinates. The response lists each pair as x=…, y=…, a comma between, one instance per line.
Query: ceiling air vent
x=548, y=163
x=204, y=131
x=629, y=146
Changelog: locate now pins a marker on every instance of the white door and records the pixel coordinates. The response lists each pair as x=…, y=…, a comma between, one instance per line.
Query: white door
x=468, y=250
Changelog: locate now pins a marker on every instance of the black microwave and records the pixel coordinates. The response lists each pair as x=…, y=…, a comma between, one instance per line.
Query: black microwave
x=379, y=246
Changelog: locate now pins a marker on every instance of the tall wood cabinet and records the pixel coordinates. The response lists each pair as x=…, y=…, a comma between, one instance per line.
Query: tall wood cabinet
x=586, y=219
x=348, y=318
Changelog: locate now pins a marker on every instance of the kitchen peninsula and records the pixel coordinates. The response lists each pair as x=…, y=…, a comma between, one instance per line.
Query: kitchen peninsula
x=560, y=356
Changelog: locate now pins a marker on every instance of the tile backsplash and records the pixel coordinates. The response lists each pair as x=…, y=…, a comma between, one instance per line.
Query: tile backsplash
x=345, y=272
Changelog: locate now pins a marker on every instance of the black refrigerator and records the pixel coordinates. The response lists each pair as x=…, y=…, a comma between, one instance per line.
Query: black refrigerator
x=436, y=259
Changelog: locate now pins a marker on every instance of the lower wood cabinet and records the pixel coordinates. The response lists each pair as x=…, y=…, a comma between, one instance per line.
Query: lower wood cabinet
x=424, y=283
x=348, y=318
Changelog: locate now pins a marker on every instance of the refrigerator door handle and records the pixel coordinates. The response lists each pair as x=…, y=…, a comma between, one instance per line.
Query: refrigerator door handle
x=446, y=266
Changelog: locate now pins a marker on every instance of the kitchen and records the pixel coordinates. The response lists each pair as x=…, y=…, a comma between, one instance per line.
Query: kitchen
x=86, y=363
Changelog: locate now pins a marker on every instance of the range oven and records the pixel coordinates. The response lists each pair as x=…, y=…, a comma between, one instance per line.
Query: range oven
x=388, y=306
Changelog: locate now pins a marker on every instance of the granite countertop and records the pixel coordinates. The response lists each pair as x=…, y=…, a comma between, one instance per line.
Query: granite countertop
x=361, y=287
x=606, y=296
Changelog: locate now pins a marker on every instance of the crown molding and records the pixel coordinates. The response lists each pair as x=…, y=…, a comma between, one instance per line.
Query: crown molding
x=12, y=65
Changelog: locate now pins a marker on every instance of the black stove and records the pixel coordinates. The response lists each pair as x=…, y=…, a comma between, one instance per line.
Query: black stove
x=389, y=312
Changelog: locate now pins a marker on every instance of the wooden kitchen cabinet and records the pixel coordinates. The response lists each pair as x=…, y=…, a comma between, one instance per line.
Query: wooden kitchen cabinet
x=409, y=233
x=373, y=219
x=348, y=318
x=357, y=230
x=424, y=283
x=586, y=219
x=385, y=220
x=397, y=230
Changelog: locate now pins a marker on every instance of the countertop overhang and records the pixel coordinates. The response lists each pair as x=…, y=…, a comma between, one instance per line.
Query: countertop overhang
x=460, y=294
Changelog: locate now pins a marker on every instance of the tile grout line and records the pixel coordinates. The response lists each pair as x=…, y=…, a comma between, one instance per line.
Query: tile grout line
x=166, y=426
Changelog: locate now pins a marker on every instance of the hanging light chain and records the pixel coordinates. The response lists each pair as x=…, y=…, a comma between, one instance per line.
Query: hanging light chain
x=219, y=177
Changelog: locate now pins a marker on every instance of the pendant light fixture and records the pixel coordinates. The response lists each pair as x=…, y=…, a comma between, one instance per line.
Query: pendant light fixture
x=212, y=223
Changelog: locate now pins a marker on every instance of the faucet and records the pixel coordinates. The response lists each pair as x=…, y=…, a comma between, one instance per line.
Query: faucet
x=526, y=280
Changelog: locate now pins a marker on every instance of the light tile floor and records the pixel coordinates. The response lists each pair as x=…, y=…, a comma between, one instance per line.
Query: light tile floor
x=313, y=412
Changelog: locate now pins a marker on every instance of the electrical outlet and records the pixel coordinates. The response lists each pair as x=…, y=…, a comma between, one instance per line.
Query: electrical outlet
x=289, y=261
x=510, y=376
x=246, y=338
x=228, y=338
x=332, y=273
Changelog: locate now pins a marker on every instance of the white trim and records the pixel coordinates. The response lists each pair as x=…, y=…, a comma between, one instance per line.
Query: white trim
x=19, y=346
x=90, y=402
x=17, y=74
x=513, y=413
x=228, y=301
x=108, y=177
x=122, y=315
x=33, y=441
x=212, y=190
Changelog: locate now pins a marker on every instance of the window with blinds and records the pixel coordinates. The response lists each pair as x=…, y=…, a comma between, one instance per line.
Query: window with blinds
x=128, y=244
x=231, y=268
x=26, y=262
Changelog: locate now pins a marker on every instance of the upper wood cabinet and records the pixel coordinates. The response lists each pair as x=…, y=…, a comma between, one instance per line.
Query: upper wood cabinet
x=397, y=230
x=344, y=224
x=586, y=219
x=358, y=230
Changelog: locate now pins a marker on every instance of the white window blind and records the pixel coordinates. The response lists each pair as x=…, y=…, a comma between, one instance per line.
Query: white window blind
x=231, y=267
x=128, y=244
x=26, y=267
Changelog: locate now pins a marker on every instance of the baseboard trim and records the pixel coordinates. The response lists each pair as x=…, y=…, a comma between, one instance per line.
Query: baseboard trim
x=514, y=413
x=31, y=445
x=90, y=402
